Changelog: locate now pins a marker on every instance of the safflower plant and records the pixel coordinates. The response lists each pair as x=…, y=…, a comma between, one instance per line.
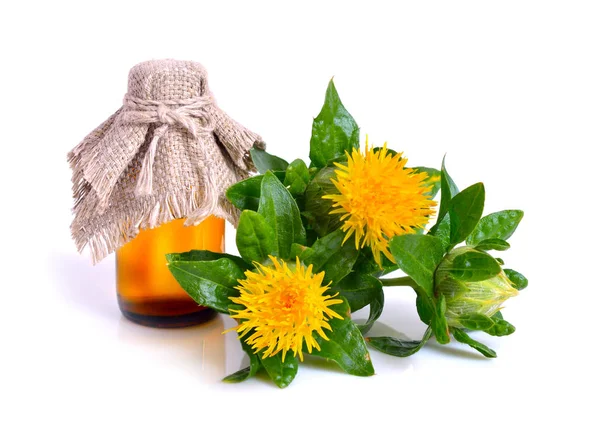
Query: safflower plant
x=317, y=240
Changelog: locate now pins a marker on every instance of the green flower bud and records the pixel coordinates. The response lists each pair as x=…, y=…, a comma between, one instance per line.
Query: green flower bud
x=464, y=298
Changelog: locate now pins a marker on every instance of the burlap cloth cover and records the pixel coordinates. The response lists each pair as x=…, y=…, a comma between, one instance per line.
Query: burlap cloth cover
x=168, y=153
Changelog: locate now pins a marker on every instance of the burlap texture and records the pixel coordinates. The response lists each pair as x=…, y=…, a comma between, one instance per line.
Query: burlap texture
x=168, y=153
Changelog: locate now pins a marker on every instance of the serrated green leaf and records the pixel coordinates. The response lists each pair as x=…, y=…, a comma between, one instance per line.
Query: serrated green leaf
x=346, y=345
x=498, y=225
x=330, y=255
x=209, y=283
x=493, y=244
x=397, y=347
x=265, y=161
x=418, y=256
x=255, y=239
x=474, y=266
x=205, y=255
x=500, y=328
x=282, y=372
x=281, y=212
x=462, y=337
x=245, y=194
x=297, y=177
x=518, y=280
x=334, y=131
x=465, y=211
x=476, y=322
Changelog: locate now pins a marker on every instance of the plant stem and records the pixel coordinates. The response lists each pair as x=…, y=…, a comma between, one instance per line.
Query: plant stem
x=399, y=281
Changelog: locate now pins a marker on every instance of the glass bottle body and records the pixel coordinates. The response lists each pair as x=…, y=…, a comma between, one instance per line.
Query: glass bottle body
x=147, y=292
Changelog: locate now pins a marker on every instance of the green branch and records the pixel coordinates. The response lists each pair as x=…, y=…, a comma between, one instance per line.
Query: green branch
x=399, y=281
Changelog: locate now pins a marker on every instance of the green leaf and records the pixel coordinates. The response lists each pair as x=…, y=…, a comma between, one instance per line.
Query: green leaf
x=518, y=280
x=255, y=239
x=265, y=161
x=297, y=177
x=346, y=345
x=500, y=261
x=361, y=290
x=462, y=337
x=239, y=376
x=339, y=160
x=493, y=244
x=334, y=131
x=442, y=231
x=297, y=250
x=245, y=194
x=500, y=328
x=439, y=323
x=205, y=255
x=375, y=310
x=474, y=266
x=330, y=255
x=434, y=179
x=418, y=256
x=209, y=283
x=365, y=264
x=280, y=211
x=449, y=190
x=250, y=371
x=424, y=307
x=317, y=208
x=358, y=289
x=282, y=372
x=397, y=347
x=465, y=211
x=499, y=225
x=476, y=322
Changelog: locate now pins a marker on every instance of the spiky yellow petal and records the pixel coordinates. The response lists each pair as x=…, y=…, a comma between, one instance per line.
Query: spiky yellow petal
x=283, y=304
x=379, y=198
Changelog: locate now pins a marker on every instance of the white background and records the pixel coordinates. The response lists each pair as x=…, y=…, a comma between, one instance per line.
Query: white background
x=509, y=90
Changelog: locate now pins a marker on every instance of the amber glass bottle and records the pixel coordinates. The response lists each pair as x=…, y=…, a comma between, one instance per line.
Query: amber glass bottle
x=148, y=294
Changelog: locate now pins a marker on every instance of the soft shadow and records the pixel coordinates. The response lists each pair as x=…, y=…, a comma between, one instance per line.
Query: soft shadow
x=459, y=351
x=380, y=329
x=85, y=286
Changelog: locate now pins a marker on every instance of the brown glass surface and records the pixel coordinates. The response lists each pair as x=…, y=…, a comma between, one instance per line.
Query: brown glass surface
x=147, y=292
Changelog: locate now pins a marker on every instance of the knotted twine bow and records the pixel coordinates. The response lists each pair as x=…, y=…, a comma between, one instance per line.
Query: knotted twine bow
x=191, y=114
x=168, y=153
